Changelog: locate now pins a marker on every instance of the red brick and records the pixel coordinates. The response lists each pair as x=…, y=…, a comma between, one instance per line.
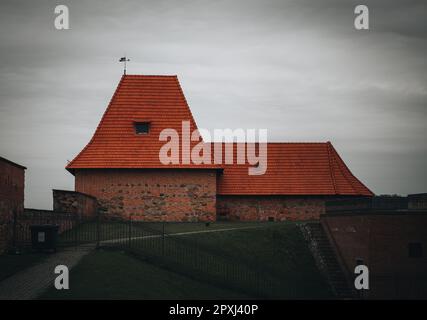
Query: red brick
x=152, y=195
x=279, y=208
x=12, y=181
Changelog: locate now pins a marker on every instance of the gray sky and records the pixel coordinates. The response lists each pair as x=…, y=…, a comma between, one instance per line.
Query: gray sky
x=297, y=68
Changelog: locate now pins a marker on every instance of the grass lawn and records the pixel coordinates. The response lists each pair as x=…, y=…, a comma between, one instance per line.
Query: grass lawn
x=11, y=264
x=111, y=274
x=277, y=250
x=87, y=232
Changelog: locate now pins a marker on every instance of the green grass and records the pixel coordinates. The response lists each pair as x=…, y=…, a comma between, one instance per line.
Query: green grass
x=87, y=232
x=106, y=274
x=275, y=252
x=11, y=264
x=279, y=251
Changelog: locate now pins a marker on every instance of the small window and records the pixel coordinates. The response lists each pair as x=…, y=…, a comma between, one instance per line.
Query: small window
x=142, y=127
x=415, y=250
x=271, y=219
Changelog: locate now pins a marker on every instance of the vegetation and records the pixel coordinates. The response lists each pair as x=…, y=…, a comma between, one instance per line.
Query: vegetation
x=201, y=265
x=107, y=274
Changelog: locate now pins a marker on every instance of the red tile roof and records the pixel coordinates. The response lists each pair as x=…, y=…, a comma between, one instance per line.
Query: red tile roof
x=293, y=168
x=155, y=99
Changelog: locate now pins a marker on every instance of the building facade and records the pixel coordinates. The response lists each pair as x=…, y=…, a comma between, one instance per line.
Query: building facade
x=123, y=168
x=389, y=237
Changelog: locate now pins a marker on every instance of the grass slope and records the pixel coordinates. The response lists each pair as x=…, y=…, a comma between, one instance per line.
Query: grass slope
x=277, y=249
x=116, y=275
x=280, y=251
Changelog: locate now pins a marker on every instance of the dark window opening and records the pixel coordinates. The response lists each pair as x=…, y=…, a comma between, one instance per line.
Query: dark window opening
x=270, y=219
x=415, y=250
x=142, y=127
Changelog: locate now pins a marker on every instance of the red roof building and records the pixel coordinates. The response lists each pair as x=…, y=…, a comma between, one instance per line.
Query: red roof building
x=121, y=166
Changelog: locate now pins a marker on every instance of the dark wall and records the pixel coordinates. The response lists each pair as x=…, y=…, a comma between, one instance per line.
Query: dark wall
x=383, y=242
x=12, y=183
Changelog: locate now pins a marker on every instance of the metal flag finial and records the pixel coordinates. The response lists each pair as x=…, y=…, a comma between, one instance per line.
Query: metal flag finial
x=124, y=60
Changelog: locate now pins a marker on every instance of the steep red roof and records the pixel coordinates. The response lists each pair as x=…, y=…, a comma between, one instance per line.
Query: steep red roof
x=293, y=168
x=155, y=99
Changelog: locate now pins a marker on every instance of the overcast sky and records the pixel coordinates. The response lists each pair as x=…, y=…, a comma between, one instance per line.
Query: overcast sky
x=298, y=68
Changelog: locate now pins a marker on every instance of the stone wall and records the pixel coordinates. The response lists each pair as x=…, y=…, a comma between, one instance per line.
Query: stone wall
x=12, y=181
x=273, y=208
x=83, y=205
x=150, y=194
x=382, y=242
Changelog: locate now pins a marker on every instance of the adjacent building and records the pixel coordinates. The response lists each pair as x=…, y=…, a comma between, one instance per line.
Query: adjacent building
x=12, y=181
x=386, y=234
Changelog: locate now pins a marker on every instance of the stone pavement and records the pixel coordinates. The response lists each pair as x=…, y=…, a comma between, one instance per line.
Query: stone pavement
x=31, y=282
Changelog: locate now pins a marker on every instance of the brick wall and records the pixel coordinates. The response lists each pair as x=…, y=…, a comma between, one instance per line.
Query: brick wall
x=12, y=180
x=83, y=205
x=264, y=208
x=381, y=240
x=152, y=195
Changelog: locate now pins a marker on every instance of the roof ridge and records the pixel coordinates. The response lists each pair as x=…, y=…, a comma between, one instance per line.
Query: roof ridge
x=13, y=163
x=151, y=75
x=342, y=165
x=284, y=142
x=188, y=106
x=331, y=169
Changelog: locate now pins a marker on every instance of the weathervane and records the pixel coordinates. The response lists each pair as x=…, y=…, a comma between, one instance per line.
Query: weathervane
x=124, y=60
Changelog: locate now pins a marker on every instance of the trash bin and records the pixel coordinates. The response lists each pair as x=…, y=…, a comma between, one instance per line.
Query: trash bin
x=44, y=237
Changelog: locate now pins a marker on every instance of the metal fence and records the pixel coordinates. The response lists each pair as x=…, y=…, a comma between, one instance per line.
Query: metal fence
x=152, y=242
x=188, y=256
x=69, y=228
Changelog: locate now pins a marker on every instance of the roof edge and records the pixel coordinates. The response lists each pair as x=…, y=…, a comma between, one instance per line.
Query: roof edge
x=13, y=163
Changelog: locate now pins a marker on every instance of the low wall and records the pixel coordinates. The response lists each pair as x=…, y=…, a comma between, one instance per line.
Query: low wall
x=80, y=204
x=269, y=208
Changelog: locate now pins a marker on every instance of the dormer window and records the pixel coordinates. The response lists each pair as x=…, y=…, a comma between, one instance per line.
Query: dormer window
x=142, y=127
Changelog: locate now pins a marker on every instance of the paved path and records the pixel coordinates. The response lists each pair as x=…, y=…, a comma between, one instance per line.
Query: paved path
x=175, y=234
x=30, y=283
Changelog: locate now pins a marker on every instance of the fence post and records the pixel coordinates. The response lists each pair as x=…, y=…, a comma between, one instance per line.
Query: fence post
x=163, y=238
x=74, y=227
x=15, y=222
x=130, y=230
x=98, y=230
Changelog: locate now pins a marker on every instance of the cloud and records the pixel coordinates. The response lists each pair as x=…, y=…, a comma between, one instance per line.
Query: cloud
x=298, y=68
